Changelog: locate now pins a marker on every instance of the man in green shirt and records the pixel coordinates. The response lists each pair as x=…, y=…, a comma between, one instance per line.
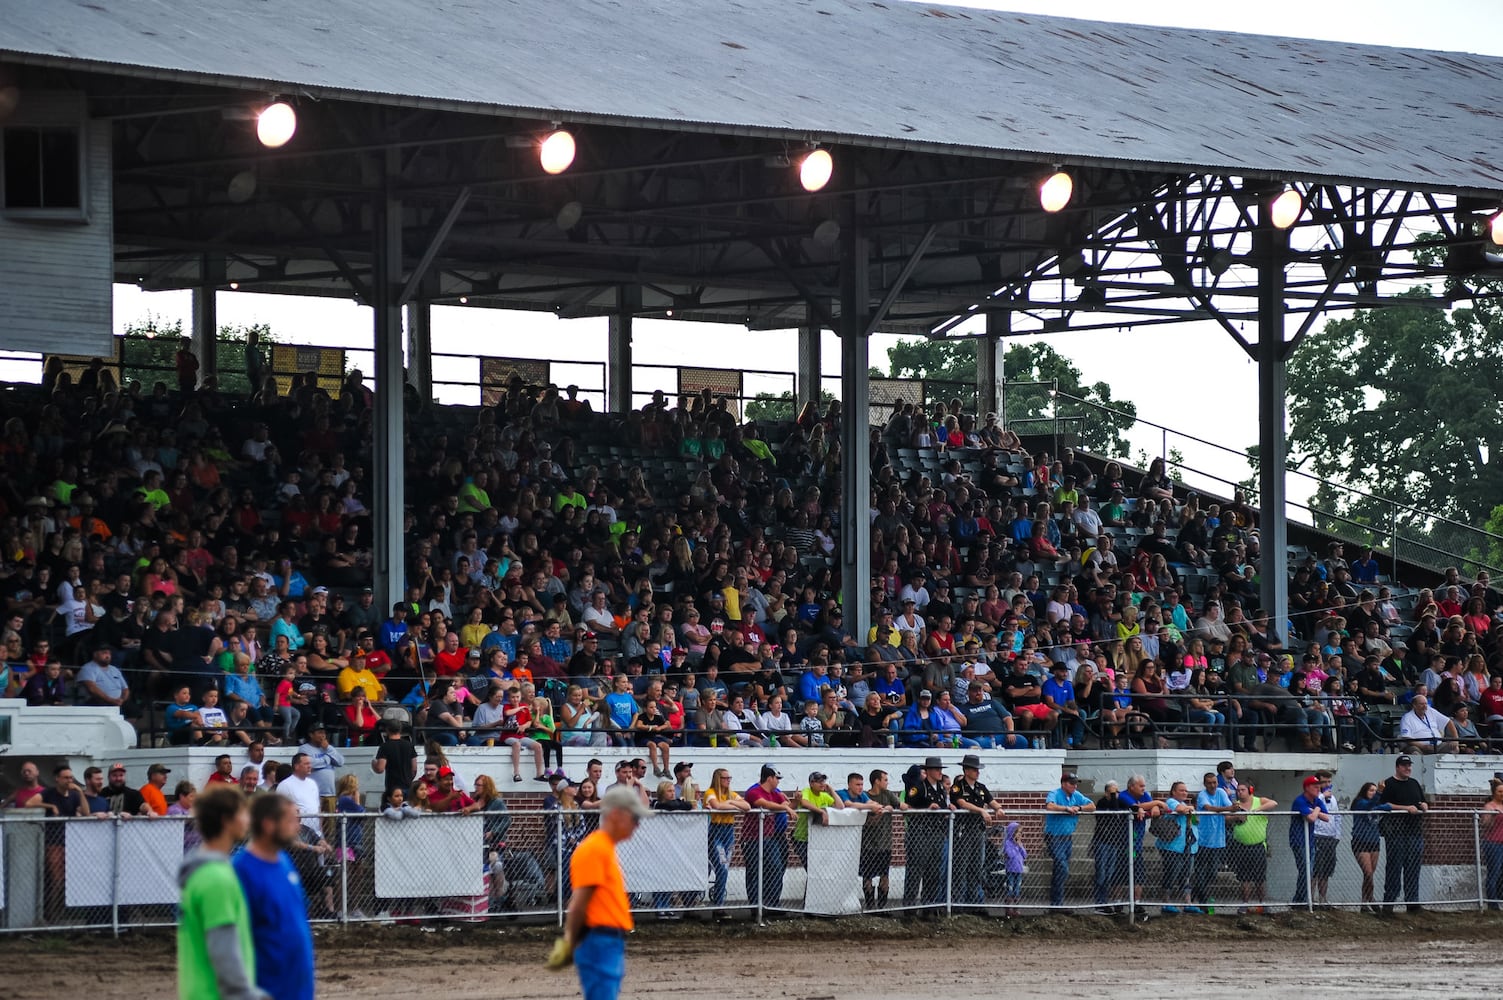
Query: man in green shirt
x=812, y=801
x=216, y=957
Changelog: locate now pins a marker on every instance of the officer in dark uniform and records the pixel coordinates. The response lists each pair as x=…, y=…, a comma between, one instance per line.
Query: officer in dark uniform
x=974, y=809
x=927, y=832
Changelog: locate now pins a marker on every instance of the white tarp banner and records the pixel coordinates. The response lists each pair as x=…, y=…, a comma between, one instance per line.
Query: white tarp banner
x=832, y=871
x=670, y=852
x=151, y=852
x=424, y=856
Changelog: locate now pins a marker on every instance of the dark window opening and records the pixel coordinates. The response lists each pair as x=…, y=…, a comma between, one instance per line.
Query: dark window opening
x=42, y=168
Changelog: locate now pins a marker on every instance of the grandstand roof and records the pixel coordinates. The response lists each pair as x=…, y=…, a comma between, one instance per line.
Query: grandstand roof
x=941, y=120
x=915, y=76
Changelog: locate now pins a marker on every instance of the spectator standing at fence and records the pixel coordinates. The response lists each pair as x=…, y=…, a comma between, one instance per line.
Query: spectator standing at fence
x=1141, y=802
x=1212, y=804
x=976, y=809
x=599, y=916
x=151, y=792
x=324, y=759
x=925, y=835
x=216, y=953
x=1249, y=847
x=1366, y=838
x=1492, y=845
x=724, y=805
x=1109, y=846
x=274, y=896
x=123, y=799
x=762, y=839
x=1327, y=839
x=1064, y=806
x=1174, y=836
x=396, y=759
x=1404, y=832
x=814, y=803
x=31, y=787
x=1308, y=811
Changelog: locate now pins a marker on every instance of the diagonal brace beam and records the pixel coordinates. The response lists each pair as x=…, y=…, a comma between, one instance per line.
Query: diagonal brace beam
x=440, y=235
x=896, y=288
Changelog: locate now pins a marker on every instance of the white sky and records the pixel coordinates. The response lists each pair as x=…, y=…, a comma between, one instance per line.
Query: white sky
x=1146, y=367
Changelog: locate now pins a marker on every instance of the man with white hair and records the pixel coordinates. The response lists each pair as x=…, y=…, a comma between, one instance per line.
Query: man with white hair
x=1424, y=730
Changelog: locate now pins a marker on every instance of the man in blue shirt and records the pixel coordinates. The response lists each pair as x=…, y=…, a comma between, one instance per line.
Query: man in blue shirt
x=393, y=629
x=274, y=895
x=1211, y=803
x=1064, y=805
x=1059, y=695
x=1307, y=812
x=1144, y=808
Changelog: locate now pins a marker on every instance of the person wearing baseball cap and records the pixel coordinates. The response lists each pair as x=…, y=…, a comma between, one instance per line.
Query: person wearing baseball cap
x=123, y=799
x=766, y=858
x=814, y=802
x=683, y=782
x=1404, y=830
x=151, y=792
x=1308, y=811
x=927, y=794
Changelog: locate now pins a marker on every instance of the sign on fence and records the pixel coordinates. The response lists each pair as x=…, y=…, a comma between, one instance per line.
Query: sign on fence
x=430, y=856
x=151, y=851
x=833, y=879
x=673, y=856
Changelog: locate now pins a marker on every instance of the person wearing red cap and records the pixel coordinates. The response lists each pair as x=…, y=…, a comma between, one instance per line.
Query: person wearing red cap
x=1307, y=812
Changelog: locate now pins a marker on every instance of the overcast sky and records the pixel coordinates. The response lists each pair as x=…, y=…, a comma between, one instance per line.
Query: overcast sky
x=1152, y=367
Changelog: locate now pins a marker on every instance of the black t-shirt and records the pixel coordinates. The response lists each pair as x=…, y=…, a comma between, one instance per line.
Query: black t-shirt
x=123, y=800
x=401, y=762
x=1022, y=690
x=1403, y=792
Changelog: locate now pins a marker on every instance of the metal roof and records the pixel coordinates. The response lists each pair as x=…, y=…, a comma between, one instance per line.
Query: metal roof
x=917, y=76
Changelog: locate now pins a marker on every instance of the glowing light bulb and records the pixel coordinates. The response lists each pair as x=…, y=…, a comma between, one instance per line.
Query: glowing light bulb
x=1286, y=208
x=275, y=124
x=1055, y=192
x=557, y=152
x=815, y=169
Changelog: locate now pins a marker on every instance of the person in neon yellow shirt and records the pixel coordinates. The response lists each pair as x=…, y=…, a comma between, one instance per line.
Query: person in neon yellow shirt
x=216, y=953
x=812, y=801
x=473, y=499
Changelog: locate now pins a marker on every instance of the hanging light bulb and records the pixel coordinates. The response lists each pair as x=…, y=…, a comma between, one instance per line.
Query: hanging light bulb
x=816, y=169
x=1495, y=229
x=1055, y=192
x=1284, y=211
x=275, y=124
x=557, y=151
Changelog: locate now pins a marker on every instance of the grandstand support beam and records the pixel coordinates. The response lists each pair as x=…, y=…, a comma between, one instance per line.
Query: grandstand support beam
x=618, y=362
x=855, y=405
x=1271, y=251
x=989, y=377
x=389, y=508
x=420, y=347
x=807, y=384
x=206, y=314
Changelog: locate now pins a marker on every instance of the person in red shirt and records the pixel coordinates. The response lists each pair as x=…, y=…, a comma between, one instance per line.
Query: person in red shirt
x=765, y=862
x=224, y=772
x=450, y=660
x=445, y=798
x=1490, y=705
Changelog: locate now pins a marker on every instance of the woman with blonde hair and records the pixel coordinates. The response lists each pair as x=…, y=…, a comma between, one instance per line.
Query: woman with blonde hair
x=725, y=806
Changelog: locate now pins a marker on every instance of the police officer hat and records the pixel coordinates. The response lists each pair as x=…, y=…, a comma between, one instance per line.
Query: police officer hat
x=971, y=760
x=933, y=762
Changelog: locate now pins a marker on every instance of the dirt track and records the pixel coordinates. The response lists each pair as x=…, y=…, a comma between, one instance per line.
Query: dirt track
x=1338, y=955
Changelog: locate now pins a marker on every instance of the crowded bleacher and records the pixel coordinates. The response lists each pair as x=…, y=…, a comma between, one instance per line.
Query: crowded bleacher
x=666, y=578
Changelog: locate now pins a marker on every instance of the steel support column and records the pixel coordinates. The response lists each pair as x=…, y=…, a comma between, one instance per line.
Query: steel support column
x=807, y=384
x=989, y=351
x=618, y=381
x=1271, y=249
x=420, y=347
x=205, y=333
x=855, y=450
x=389, y=506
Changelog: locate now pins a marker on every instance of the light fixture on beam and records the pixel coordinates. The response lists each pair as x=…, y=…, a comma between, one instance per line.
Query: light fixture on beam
x=568, y=217
x=1285, y=208
x=1055, y=191
x=827, y=232
x=464, y=300
x=1071, y=263
x=815, y=169
x=241, y=187
x=556, y=151
x=275, y=124
x=1219, y=261
x=1092, y=298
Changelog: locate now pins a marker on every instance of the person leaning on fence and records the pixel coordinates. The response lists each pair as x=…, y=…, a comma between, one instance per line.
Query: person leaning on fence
x=1141, y=802
x=925, y=835
x=975, y=810
x=1404, y=834
x=813, y=804
x=1327, y=839
x=1491, y=822
x=1174, y=836
x=216, y=951
x=1212, y=804
x=724, y=805
x=1109, y=847
x=1308, y=810
x=1064, y=806
x=763, y=839
x=1249, y=847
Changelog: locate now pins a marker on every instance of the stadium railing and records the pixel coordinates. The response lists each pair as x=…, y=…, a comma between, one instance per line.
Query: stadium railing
x=112, y=873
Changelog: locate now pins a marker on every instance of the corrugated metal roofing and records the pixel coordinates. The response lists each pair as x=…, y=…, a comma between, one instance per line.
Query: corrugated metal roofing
x=898, y=73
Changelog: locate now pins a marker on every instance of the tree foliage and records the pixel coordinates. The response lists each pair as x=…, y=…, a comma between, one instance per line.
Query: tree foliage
x=1028, y=409
x=1402, y=402
x=780, y=405
x=151, y=343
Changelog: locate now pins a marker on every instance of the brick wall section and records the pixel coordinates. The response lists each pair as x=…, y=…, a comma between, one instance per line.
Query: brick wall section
x=1450, y=839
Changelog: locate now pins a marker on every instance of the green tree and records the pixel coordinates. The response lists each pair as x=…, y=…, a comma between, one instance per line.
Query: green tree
x=150, y=344
x=779, y=405
x=1028, y=408
x=1402, y=402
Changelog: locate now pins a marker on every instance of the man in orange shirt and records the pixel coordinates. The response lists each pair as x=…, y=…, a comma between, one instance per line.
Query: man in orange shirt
x=151, y=792
x=599, y=915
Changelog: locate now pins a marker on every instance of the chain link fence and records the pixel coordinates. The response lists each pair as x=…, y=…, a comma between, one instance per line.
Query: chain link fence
x=109, y=873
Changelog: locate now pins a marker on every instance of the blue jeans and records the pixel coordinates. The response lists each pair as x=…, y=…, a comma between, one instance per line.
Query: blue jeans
x=1111, y=870
x=1492, y=890
x=601, y=961
x=722, y=843
x=1059, y=851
